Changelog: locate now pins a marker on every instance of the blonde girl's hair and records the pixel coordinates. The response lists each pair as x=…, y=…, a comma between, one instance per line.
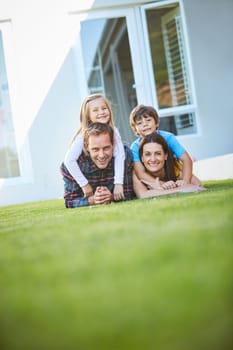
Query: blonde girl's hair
x=85, y=121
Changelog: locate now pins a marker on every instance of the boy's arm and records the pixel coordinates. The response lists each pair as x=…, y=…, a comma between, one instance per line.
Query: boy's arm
x=141, y=172
x=179, y=151
x=187, y=168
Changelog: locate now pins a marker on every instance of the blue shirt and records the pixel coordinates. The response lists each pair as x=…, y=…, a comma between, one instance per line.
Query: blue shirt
x=176, y=148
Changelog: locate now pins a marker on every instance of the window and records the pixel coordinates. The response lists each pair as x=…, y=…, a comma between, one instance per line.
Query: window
x=9, y=163
x=170, y=74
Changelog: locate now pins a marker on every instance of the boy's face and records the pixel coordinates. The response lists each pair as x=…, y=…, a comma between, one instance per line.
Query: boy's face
x=145, y=125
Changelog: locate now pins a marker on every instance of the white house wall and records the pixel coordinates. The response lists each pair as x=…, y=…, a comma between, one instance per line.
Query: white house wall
x=210, y=33
x=49, y=91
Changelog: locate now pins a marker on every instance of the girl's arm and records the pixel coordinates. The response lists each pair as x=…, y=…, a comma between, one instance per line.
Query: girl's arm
x=119, y=159
x=71, y=164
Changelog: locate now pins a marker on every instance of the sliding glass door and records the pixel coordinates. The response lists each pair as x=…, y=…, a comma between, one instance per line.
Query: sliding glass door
x=140, y=55
x=108, y=67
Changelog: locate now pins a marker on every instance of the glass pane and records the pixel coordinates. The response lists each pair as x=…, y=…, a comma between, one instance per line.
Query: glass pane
x=9, y=164
x=168, y=56
x=179, y=124
x=108, y=67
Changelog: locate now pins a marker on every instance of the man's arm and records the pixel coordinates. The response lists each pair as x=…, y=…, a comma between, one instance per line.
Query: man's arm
x=128, y=175
x=76, y=202
x=102, y=195
x=73, y=194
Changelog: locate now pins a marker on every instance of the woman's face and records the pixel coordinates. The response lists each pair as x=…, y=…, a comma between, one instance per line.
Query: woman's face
x=153, y=157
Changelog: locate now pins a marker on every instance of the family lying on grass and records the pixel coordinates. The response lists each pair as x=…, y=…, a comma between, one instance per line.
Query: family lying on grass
x=99, y=169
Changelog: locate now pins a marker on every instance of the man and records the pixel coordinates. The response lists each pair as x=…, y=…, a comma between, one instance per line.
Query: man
x=97, y=164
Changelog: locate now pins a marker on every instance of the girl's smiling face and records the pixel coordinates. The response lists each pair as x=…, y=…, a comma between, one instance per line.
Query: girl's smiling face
x=98, y=111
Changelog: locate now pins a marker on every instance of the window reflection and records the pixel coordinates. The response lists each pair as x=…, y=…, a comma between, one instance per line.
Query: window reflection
x=169, y=62
x=108, y=67
x=179, y=124
x=168, y=56
x=9, y=165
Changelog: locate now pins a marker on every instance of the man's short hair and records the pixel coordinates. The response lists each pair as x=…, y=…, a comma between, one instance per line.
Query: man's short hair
x=98, y=129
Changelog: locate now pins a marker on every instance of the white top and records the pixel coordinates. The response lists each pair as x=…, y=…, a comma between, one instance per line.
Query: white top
x=75, y=151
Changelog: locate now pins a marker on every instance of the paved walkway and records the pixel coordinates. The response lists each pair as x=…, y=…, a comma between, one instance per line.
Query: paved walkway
x=217, y=168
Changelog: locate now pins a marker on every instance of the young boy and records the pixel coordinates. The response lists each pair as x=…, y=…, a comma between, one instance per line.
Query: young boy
x=144, y=120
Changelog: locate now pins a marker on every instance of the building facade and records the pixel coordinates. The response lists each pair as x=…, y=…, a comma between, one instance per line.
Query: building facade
x=176, y=55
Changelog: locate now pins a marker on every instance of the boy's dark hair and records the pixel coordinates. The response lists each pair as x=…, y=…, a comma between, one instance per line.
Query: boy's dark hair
x=97, y=129
x=141, y=111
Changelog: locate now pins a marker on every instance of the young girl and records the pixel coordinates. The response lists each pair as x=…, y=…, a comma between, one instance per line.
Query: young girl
x=96, y=108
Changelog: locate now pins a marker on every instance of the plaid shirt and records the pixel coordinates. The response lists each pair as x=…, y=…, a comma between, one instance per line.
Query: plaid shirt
x=73, y=194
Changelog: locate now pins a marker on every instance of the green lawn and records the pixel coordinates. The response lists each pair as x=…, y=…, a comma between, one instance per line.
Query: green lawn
x=152, y=274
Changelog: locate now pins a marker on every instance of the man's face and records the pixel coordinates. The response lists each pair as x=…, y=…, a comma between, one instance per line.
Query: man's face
x=100, y=149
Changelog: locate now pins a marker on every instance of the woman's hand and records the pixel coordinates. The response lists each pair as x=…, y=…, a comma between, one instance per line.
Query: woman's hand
x=181, y=183
x=118, y=193
x=169, y=185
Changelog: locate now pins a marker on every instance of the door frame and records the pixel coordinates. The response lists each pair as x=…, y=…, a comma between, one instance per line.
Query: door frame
x=137, y=49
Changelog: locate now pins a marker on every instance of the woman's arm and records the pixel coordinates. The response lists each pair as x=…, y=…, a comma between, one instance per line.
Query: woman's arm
x=141, y=190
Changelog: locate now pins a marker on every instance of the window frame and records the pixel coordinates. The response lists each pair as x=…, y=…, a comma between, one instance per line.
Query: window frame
x=182, y=109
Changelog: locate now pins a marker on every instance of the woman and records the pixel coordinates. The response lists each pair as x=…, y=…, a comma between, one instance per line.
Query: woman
x=166, y=170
